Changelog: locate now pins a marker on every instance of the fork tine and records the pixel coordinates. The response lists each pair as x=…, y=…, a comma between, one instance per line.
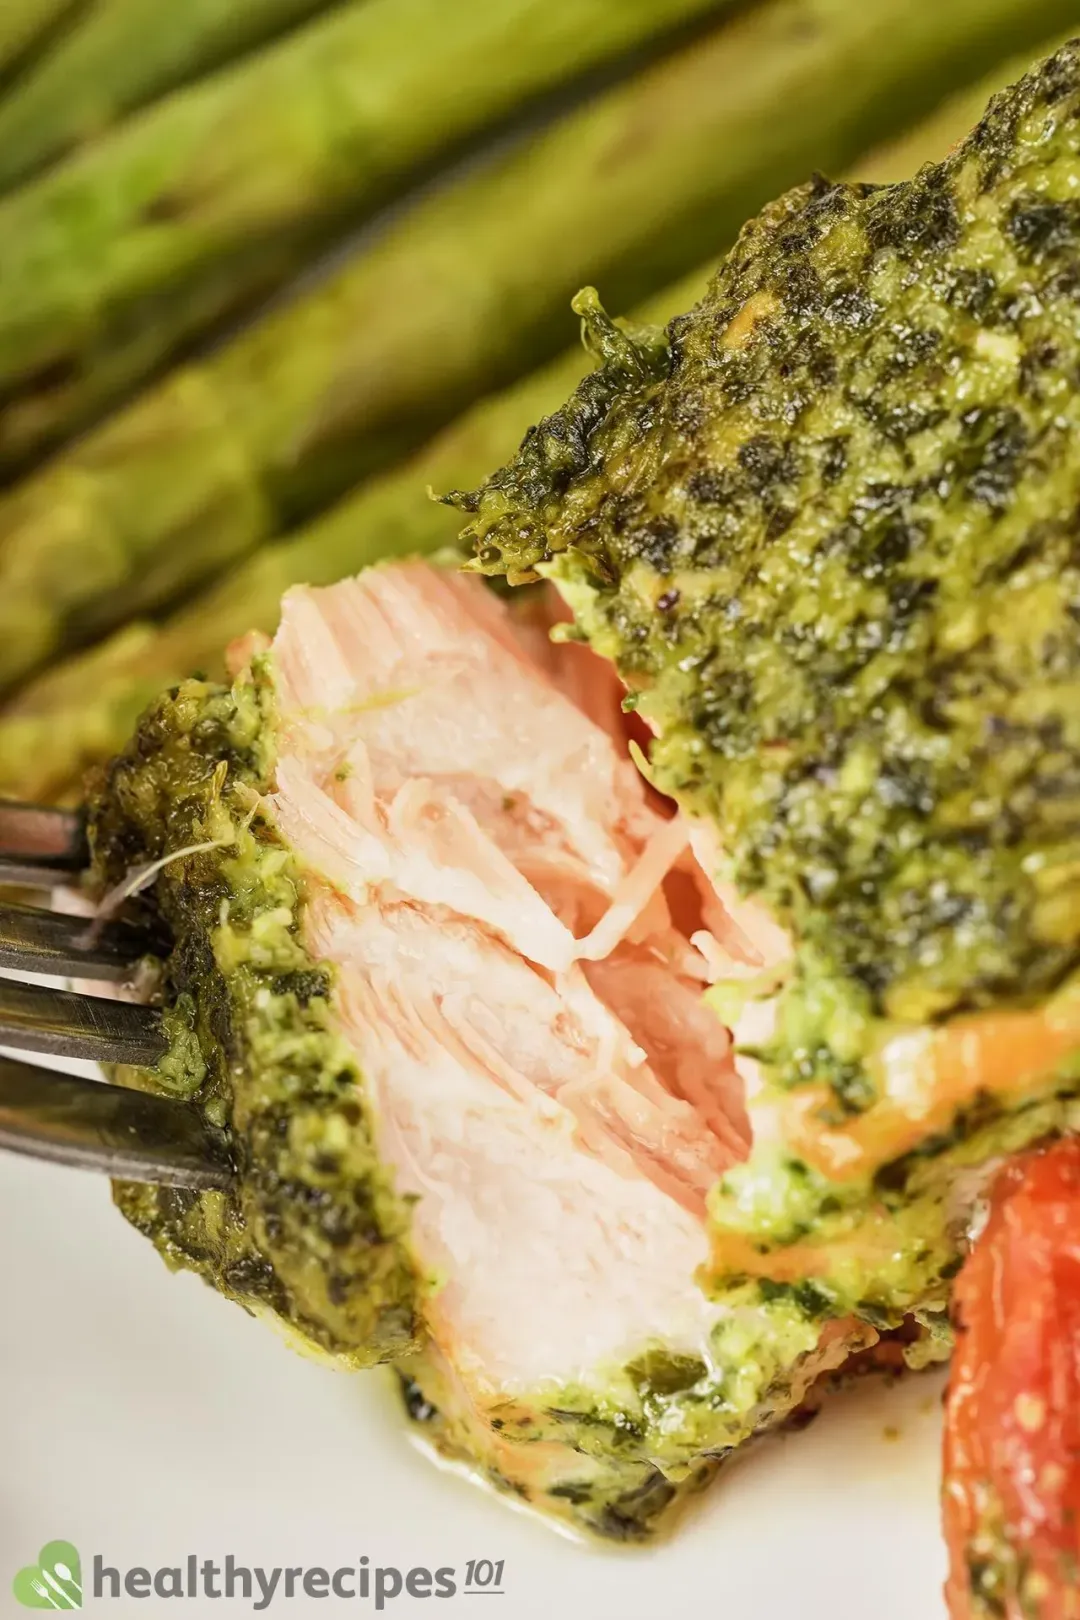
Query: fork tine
x=127, y=1134
x=61, y=1023
x=39, y=847
x=35, y=941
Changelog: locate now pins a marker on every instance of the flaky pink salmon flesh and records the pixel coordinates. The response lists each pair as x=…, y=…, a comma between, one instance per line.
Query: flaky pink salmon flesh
x=523, y=940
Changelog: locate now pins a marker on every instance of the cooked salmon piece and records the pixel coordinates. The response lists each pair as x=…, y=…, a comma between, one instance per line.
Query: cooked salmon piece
x=522, y=939
x=616, y=1076
x=520, y=942
x=466, y=832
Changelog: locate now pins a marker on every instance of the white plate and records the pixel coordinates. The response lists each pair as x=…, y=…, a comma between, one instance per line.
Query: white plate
x=144, y=1418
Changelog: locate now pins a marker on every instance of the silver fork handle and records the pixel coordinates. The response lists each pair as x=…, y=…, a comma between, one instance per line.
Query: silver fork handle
x=130, y=1135
x=64, y=1023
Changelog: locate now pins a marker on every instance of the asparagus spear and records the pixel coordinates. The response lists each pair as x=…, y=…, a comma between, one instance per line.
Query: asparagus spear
x=199, y=205
x=453, y=303
x=25, y=23
x=83, y=710
x=120, y=55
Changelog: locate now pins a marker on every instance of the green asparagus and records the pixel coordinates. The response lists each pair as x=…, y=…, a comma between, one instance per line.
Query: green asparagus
x=25, y=23
x=456, y=301
x=83, y=710
x=201, y=204
x=120, y=55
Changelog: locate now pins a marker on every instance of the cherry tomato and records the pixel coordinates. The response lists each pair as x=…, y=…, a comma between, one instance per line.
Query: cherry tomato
x=1012, y=1433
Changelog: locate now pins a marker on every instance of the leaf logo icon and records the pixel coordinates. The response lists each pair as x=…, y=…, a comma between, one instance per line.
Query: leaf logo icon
x=54, y=1582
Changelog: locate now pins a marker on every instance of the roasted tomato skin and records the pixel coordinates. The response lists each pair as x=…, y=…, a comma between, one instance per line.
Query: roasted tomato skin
x=1012, y=1432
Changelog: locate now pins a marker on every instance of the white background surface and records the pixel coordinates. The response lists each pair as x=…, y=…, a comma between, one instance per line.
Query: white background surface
x=144, y=1418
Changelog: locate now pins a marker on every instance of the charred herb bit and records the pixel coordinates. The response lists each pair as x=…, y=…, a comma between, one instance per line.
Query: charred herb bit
x=577, y=1494
x=808, y=1296
x=629, y=1516
x=416, y=1404
x=665, y=1372
x=313, y=1232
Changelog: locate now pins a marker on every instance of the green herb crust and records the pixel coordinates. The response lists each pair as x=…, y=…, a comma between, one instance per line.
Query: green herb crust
x=583, y=1467
x=624, y=1463
x=610, y=1494
x=834, y=535
x=830, y=540
x=313, y=1233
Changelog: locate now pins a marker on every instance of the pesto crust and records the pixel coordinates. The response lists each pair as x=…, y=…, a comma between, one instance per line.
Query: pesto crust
x=614, y=1496
x=831, y=539
x=313, y=1232
x=622, y=1464
x=829, y=536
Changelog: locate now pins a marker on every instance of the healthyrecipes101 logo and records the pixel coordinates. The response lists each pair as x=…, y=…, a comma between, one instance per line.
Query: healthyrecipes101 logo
x=56, y=1581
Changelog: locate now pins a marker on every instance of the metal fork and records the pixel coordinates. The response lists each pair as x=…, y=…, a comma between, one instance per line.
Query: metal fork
x=131, y=1135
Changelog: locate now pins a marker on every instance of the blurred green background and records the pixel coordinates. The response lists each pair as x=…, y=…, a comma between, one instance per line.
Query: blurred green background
x=270, y=269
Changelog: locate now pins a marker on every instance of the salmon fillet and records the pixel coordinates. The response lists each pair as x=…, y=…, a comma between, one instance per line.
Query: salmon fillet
x=616, y=1111
x=519, y=945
